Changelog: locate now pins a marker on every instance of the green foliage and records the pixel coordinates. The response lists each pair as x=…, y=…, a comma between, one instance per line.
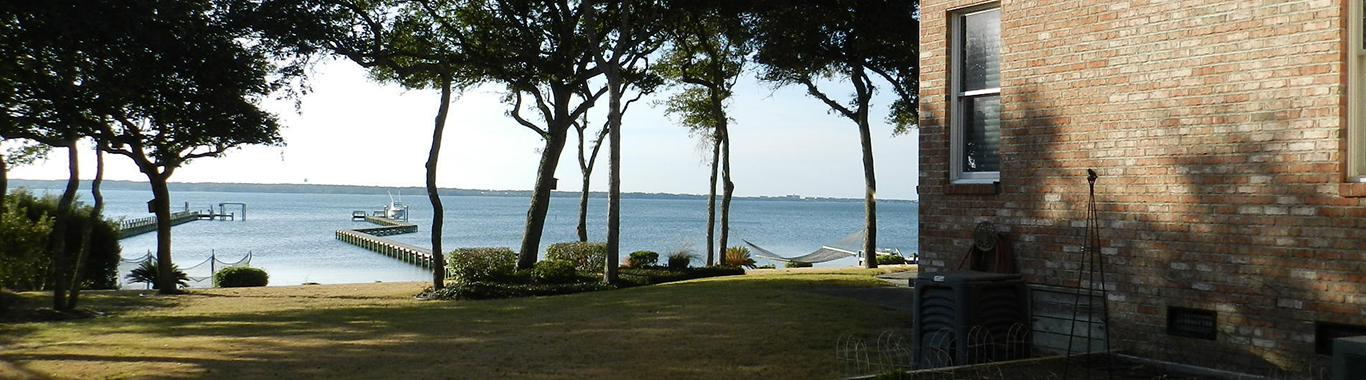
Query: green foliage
x=586, y=256
x=796, y=264
x=890, y=260
x=680, y=259
x=483, y=290
x=147, y=271
x=24, y=253
x=236, y=277
x=554, y=272
x=641, y=259
x=737, y=257
x=481, y=264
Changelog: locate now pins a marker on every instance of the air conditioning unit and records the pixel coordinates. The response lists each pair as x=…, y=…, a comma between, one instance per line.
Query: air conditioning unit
x=1349, y=358
x=970, y=317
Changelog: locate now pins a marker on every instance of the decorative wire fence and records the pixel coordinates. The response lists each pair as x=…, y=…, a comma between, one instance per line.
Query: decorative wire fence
x=200, y=275
x=892, y=352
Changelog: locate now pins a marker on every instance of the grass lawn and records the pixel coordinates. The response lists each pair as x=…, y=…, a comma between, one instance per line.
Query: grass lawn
x=738, y=327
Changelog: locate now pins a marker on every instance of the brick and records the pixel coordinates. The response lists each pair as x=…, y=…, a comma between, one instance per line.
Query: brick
x=1217, y=129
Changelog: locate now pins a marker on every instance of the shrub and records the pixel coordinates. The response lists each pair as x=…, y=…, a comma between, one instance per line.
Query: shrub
x=482, y=290
x=890, y=259
x=554, y=272
x=737, y=257
x=24, y=231
x=237, y=277
x=481, y=264
x=796, y=264
x=148, y=271
x=586, y=256
x=651, y=276
x=680, y=260
x=641, y=259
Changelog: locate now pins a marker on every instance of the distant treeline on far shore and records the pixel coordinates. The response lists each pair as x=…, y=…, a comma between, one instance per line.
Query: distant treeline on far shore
x=56, y=185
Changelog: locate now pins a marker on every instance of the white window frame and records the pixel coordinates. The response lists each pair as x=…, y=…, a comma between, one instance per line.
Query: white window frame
x=956, y=143
x=1356, y=92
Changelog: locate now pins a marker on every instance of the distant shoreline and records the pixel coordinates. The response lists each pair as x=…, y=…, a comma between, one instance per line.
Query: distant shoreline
x=370, y=190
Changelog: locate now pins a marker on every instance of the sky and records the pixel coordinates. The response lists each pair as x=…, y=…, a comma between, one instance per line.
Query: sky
x=352, y=131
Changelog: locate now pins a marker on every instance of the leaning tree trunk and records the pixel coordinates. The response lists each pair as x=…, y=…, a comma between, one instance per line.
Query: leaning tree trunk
x=711, y=202
x=96, y=217
x=57, y=240
x=540, y=197
x=161, y=206
x=433, y=194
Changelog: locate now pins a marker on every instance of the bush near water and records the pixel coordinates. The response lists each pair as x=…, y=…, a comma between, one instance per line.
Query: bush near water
x=490, y=273
x=469, y=265
x=890, y=260
x=238, y=277
x=641, y=259
x=586, y=256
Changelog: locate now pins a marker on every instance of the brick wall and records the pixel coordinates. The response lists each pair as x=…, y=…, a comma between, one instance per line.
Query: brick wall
x=1217, y=131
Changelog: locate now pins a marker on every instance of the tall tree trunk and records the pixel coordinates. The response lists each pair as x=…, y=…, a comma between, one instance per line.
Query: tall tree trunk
x=729, y=187
x=96, y=217
x=614, y=83
x=540, y=195
x=433, y=194
x=711, y=202
x=4, y=185
x=869, y=196
x=60, y=226
x=161, y=206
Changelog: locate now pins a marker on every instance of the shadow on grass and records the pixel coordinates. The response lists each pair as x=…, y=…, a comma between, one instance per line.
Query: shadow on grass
x=755, y=328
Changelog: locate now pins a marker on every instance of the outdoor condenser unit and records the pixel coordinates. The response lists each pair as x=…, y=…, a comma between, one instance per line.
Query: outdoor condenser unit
x=1349, y=358
x=969, y=317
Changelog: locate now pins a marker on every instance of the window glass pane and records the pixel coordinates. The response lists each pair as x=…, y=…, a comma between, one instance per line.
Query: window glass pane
x=982, y=50
x=982, y=133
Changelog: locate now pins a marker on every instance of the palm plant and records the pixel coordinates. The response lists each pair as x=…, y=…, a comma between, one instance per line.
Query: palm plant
x=738, y=257
x=147, y=273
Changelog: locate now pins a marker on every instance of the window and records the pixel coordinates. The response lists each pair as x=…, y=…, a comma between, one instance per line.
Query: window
x=1356, y=91
x=975, y=83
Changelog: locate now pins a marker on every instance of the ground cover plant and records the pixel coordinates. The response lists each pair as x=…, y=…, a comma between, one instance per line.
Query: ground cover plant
x=734, y=327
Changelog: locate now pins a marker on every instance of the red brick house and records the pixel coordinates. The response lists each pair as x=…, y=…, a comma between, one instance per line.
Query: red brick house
x=1230, y=140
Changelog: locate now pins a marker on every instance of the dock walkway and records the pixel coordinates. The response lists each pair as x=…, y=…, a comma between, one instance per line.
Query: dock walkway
x=134, y=227
x=371, y=238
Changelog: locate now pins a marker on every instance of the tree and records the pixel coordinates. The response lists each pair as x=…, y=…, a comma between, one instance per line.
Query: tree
x=539, y=51
x=813, y=42
x=628, y=36
x=416, y=44
x=173, y=100
x=588, y=157
x=709, y=49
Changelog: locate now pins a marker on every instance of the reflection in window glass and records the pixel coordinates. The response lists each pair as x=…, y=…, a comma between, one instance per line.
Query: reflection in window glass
x=982, y=134
x=981, y=50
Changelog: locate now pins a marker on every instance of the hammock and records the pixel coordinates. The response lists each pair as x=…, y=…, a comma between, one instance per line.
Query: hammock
x=847, y=247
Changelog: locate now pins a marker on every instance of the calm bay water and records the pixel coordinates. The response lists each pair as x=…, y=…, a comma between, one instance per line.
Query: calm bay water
x=292, y=237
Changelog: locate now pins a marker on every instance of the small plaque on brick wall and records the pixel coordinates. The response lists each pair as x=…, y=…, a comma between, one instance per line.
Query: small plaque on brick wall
x=1192, y=323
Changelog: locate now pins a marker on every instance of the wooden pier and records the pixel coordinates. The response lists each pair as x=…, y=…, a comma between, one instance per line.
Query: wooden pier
x=133, y=227
x=372, y=239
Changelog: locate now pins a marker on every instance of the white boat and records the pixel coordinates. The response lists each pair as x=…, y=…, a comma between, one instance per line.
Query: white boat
x=395, y=210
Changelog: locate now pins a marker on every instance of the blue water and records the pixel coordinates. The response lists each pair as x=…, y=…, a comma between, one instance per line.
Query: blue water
x=292, y=237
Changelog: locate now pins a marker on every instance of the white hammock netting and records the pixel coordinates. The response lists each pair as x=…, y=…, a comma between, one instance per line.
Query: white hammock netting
x=845, y=248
